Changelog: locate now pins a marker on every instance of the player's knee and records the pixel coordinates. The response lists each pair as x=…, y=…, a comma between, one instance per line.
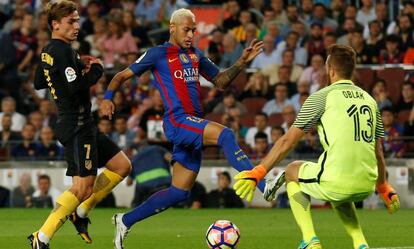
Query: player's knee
x=179, y=195
x=125, y=168
x=292, y=171
x=226, y=135
x=82, y=192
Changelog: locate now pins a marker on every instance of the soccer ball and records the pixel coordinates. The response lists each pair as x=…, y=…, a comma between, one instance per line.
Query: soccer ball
x=222, y=234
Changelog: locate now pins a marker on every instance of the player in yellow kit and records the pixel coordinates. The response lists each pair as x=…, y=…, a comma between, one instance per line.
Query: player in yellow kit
x=352, y=164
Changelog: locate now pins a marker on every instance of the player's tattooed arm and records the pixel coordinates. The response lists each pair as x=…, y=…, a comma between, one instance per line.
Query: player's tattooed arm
x=223, y=79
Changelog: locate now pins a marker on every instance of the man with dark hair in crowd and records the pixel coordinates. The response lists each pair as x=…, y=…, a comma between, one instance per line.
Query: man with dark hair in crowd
x=224, y=196
x=261, y=146
x=49, y=149
x=7, y=135
x=27, y=149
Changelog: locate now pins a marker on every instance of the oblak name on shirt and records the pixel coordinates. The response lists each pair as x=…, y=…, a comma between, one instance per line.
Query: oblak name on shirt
x=353, y=94
x=187, y=74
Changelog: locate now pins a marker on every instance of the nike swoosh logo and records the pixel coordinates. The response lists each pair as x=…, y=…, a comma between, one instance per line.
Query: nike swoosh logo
x=171, y=60
x=237, y=152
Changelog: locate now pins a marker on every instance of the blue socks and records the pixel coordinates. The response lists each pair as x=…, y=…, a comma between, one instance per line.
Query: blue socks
x=157, y=203
x=235, y=156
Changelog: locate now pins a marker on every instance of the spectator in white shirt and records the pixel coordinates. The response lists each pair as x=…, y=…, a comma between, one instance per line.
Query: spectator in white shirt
x=367, y=13
x=45, y=192
x=291, y=41
x=268, y=56
x=8, y=105
x=260, y=125
x=281, y=100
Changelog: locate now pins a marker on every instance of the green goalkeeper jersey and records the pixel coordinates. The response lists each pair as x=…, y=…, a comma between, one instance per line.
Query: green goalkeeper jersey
x=348, y=124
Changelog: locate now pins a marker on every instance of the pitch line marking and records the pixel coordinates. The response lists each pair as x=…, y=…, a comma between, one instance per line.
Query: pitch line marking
x=410, y=247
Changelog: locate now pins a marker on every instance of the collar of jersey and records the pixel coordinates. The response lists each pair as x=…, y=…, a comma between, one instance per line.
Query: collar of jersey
x=175, y=46
x=343, y=82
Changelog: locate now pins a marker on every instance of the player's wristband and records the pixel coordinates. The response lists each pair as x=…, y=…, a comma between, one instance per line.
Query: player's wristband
x=259, y=172
x=109, y=94
x=384, y=187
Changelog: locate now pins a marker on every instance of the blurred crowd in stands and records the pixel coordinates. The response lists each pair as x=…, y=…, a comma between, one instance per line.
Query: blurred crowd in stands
x=261, y=104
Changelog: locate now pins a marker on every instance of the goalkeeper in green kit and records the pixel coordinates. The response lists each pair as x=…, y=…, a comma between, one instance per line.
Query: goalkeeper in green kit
x=352, y=164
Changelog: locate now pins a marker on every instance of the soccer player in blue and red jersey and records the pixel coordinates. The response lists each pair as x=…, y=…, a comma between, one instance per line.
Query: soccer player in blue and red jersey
x=176, y=66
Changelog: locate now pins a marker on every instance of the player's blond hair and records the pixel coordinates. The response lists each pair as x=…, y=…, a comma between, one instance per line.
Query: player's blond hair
x=179, y=14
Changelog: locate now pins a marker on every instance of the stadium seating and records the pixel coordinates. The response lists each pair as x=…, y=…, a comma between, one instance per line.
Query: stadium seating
x=254, y=104
x=247, y=120
x=275, y=119
x=394, y=78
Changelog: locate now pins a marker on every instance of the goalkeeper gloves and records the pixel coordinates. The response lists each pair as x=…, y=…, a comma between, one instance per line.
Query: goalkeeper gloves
x=389, y=196
x=247, y=180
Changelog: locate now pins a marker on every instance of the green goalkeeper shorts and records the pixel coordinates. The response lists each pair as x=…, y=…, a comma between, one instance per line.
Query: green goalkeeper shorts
x=310, y=170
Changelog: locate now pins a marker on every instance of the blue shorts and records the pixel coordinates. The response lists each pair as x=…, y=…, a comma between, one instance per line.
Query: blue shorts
x=186, y=133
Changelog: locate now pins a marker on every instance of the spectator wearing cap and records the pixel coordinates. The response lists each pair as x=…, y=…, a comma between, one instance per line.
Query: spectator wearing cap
x=392, y=54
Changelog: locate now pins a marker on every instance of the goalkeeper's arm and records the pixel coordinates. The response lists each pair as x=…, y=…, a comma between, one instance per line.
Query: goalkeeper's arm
x=384, y=189
x=247, y=180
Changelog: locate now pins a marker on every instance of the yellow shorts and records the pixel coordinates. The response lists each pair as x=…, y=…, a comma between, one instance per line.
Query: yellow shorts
x=308, y=175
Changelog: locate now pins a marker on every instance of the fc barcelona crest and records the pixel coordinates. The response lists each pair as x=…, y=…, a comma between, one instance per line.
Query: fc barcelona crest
x=184, y=58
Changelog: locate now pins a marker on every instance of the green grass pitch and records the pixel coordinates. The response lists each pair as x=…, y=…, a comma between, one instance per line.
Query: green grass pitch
x=185, y=229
